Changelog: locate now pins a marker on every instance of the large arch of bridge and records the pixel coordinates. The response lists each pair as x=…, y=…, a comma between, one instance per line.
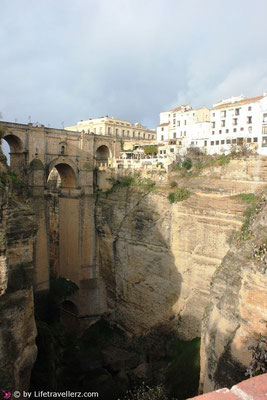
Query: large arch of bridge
x=67, y=170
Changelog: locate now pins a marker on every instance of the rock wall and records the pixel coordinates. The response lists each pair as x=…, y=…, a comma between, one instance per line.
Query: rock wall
x=236, y=314
x=157, y=259
x=17, y=330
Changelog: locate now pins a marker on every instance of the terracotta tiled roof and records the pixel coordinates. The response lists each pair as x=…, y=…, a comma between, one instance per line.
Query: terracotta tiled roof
x=237, y=103
x=253, y=388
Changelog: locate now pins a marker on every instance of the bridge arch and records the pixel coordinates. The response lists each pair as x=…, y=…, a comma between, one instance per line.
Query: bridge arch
x=102, y=155
x=67, y=171
x=16, y=151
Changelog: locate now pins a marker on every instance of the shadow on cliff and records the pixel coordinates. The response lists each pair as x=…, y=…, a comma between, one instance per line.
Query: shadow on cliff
x=135, y=260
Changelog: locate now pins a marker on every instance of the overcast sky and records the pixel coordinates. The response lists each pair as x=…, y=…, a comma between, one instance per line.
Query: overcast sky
x=67, y=60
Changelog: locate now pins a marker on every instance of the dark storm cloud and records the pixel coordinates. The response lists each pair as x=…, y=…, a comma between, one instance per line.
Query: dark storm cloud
x=64, y=60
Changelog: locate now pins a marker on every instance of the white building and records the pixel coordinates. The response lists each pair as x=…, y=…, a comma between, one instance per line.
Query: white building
x=184, y=127
x=110, y=126
x=239, y=121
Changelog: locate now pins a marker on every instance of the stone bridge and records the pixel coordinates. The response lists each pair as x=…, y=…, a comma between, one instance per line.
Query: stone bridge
x=59, y=168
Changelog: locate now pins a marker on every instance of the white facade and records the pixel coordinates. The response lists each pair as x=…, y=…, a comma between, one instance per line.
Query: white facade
x=239, y=121
x=110, y=126
x=184, y=127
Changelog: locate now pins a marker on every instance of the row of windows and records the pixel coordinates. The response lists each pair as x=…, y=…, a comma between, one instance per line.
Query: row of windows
x=237, y=112
x=179, y=122
x=233, y=141
x=127, y=134
x=234, y=130
x=234, y=122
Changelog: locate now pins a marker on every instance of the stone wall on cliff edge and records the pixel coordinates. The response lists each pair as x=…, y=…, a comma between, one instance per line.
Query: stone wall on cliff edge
x=17, y=330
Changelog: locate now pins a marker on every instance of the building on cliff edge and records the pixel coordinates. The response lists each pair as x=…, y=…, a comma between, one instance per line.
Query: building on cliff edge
x=233, y=122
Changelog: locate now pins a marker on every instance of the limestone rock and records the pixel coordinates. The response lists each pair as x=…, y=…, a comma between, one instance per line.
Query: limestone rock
x=236, y=315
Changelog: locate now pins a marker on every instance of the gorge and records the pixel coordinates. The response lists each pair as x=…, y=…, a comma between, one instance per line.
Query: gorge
x=150, y=272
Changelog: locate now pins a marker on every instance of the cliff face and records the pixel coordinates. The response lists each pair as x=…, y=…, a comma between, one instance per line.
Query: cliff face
x=236, y=314
x=17, y=331
x=157, y=259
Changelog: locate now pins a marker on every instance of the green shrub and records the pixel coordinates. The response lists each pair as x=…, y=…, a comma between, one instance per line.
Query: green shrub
x=187, y=164
x=151, y=149
x=146, y=393
x=173, y=184
x=180, y=194
x=182, y=376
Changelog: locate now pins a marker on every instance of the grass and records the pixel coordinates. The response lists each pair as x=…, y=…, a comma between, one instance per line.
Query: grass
x=180, y=194
x=135, y=180
x=250, y=198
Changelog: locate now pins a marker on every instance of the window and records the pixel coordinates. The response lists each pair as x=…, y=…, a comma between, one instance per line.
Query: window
x=62, y=150
x=255, y=139
x=249, y=108
x=174, y=115
x=250, y=128
x=174, y=122
x=205, y=142
x=222, y=122
x=249, y=140
x=171, y=150
x=162, y=129
x=234, y=141
x=162, y=137
x=220, y=131
x=234, y=121
x=213, y=125
x=234, y=129
x=222, y=141
x=228, y=141
x=213, y=132
x=264, y=117
x=264, y=141
x=123, y=133
x=138, y=135
x=212, y=143
x=117, y=131
x=109, y=130
x=249, y=120
x=148, y=136
x=217, y=142
x=227, y=130
x=164, y=151
x=185, y=121
x=128, y=133
x=178, y=123
x=241, y=129
x=237, y=111
x=184, y=133
x=174, y=135
x=160, y=152
x=223, y=114
x=213, y=114
x=264, y=130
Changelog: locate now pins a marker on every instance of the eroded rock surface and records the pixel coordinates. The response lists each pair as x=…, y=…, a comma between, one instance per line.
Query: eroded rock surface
x=157, y=259
x=17, y=331
x=236, y=314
